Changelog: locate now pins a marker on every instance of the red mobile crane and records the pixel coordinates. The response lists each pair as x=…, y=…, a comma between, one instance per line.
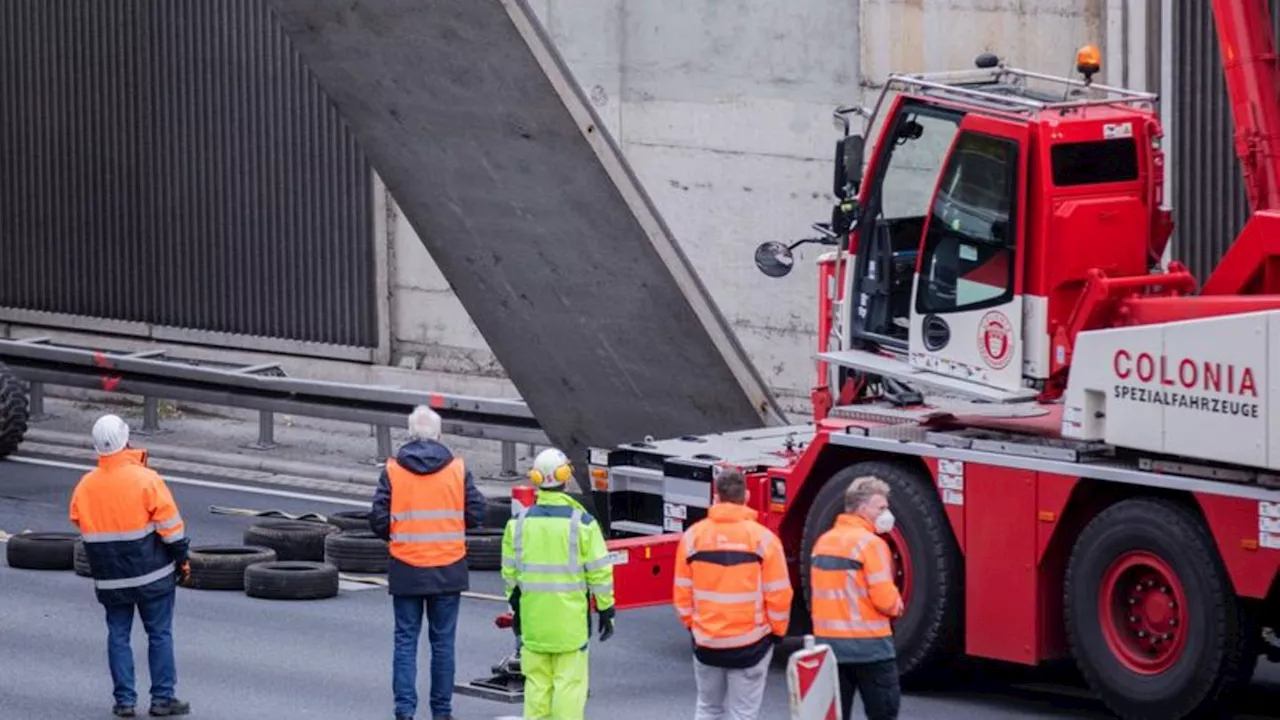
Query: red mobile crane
x=1080, y=449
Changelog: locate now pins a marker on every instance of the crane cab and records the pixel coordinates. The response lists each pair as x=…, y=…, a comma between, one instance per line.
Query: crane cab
x=988, y=199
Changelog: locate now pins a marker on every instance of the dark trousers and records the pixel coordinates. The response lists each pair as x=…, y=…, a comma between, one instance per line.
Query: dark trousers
x=878, y=683
x=157, y=620
x=442, y=626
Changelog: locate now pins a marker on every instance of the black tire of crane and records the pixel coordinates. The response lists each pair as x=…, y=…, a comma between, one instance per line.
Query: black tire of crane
x=42, y=551
x=1221, y=652
x=221, y=567
x=346, y=520
x=484, y=548
x=291, y=581
x=931, y=629
x=357, y=551
x=293, y=540
x=80, y=560
x=15, y=411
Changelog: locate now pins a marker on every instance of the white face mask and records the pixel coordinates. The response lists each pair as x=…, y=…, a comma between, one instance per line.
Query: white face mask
x=884, y=522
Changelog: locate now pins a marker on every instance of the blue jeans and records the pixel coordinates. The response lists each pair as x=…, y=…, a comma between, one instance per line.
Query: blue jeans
x=442, y=621
x=157, y=620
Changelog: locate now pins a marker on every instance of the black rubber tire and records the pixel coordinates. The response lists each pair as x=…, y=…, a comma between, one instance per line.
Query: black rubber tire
x=221, y=567
x=497, y=511
x=484, y=548
x=291, y=581
x=80, y=560
x=293, y=540
x=358, y=551
x=930, y=629
x=15, y=411
x=1220, y=652
x=350, y=520
x=42, y=551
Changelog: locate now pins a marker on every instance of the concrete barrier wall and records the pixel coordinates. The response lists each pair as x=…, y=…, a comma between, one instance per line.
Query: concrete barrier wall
x=723, y=108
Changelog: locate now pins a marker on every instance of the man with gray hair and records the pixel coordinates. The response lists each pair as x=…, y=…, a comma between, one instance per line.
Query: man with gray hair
x=426, y=499
x=854, y=599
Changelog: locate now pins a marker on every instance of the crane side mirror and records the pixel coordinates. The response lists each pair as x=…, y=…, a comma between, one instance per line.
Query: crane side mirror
x=774, y=259
x=848, y=167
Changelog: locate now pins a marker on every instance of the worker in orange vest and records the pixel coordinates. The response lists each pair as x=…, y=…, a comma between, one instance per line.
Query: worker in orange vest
x=136, y=543
x=425, y=501
x=733, y=593
x=854, y=599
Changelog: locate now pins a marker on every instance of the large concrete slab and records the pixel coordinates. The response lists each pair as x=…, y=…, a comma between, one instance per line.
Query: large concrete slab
x=527, y=206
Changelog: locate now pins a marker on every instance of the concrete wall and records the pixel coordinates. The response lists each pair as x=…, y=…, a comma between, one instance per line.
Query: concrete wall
x=723, y=107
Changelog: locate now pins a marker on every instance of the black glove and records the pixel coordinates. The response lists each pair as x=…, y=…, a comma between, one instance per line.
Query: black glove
x=606, y=624
x=514, y=600
x=777, y=639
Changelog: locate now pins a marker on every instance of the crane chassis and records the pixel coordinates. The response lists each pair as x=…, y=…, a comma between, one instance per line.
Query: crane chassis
x=1079, y=444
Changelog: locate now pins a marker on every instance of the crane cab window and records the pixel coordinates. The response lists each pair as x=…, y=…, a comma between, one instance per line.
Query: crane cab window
x=968, y=261
x=1092, y=163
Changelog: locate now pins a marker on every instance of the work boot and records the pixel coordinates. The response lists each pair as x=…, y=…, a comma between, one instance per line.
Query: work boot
x=124, y=711
x=173, y=706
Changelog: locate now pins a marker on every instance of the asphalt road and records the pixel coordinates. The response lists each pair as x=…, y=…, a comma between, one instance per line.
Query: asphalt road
x=245, y=658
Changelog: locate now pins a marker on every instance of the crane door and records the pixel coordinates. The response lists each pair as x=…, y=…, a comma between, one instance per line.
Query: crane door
x=966, y=313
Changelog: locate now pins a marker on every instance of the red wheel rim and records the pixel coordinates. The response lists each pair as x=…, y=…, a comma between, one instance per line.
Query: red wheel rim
x=1142, y=609
x=901, y=563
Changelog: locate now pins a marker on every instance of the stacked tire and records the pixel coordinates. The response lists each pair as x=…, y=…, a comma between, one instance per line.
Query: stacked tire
x=356, y=551
x=298, y=570
x=223, y=567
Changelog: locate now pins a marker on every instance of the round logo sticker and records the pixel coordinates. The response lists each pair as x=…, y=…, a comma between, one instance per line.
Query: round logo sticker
x=995, y=339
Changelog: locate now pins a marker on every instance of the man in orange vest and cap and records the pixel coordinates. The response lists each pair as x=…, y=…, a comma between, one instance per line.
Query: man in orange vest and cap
x=426, y=499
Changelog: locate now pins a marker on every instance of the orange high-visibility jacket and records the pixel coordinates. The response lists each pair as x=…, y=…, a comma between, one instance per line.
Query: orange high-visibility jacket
x=851, y=580
x=428, y=515
x=133, y=534
x=731, y=587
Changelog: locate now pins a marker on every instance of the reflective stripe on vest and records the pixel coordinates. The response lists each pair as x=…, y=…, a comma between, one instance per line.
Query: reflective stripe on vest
x=428, y=515
x=841, y=605
x=705, y=601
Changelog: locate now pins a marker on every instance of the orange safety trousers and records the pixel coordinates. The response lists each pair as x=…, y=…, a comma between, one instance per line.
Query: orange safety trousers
x=731, y=586
x=428, y=521
x=851, y=581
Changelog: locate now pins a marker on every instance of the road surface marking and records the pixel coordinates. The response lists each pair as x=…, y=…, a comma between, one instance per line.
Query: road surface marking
x=367, y=582
x=352, y=586
x=178, y=480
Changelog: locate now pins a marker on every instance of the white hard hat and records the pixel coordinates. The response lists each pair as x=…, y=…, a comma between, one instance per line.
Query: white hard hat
x=551, y=469
x=110, y=435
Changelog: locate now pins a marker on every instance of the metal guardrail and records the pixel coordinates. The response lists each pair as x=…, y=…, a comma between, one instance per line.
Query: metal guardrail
x=155, y=375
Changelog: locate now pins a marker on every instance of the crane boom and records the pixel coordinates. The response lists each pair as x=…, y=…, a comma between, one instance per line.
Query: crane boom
x=1251, y=265
x=1253, y=85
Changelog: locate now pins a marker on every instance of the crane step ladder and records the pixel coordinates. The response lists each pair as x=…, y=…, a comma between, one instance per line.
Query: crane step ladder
x=813, y=683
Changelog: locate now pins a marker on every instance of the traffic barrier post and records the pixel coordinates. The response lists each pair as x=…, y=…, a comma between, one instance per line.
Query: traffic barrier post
x=813, y=683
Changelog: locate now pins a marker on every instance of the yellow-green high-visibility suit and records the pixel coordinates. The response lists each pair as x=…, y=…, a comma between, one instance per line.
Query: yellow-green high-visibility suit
x=552, y=557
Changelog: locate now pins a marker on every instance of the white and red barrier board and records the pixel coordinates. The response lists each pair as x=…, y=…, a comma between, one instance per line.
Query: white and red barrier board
x=813, y=683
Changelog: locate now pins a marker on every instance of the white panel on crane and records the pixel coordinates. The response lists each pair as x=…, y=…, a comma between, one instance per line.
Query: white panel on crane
x=1198, y=389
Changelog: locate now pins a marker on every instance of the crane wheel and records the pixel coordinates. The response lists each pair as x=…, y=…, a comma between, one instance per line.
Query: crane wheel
x=1152, y=619
x=14, y=411
x=926, y=557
